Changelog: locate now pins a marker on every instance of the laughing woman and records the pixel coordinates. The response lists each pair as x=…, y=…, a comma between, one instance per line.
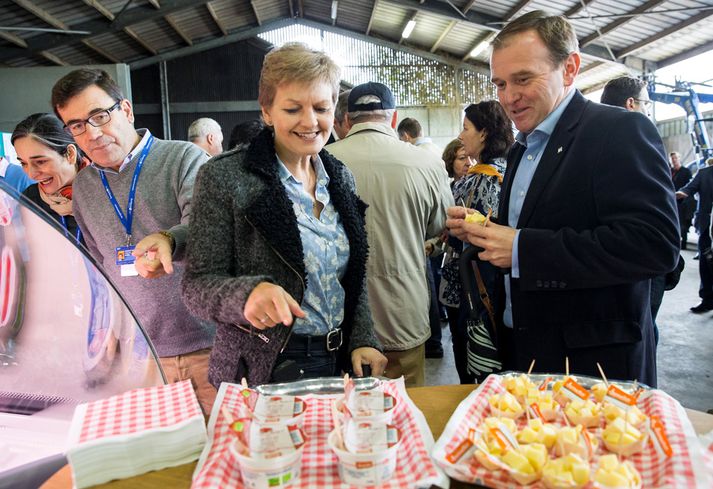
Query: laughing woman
x=49, y=156
x=277, y=248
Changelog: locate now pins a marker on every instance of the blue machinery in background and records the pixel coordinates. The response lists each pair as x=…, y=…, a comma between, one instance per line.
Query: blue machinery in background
x=685, y=96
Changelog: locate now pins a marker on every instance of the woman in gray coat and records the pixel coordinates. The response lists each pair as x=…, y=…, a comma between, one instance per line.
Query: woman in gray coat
x=277, y=249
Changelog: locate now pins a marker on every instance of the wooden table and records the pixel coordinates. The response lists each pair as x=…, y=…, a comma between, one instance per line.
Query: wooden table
x=436, y=402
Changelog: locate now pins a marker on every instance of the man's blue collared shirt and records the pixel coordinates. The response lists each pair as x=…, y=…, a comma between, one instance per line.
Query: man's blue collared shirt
x=326, y=253
x=535, y=144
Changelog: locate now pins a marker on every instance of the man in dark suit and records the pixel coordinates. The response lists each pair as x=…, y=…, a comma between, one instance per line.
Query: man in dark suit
x=686, y=206
x=587, y=214
x=702, y=184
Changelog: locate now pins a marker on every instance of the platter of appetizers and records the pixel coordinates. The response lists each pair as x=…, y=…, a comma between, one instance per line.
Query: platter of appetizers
x=568, y=432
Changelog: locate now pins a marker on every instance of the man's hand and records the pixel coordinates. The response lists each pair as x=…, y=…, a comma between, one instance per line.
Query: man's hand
x=269, y=304
x=367, y=355
x=456, y=220
x=681, y=195
x=154, y=256
x=494, y=239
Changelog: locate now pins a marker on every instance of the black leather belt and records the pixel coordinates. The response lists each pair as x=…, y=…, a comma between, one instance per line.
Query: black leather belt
x=329, y=343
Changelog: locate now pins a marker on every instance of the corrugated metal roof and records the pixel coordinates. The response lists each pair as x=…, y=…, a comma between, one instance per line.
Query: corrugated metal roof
x=193, y=21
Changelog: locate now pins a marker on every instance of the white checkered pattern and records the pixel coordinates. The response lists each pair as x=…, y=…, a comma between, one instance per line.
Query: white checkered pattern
x=217, y=468
x=683, y=470
x=137, y=410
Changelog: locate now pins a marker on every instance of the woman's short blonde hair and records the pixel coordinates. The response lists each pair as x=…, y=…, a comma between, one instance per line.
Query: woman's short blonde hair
x=296, y=62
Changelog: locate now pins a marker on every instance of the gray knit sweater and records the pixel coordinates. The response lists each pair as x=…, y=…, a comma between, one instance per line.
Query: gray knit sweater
x=243, y=232
x=163, y=202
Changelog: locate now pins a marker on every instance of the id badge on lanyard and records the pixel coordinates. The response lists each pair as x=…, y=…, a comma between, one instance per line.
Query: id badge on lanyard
x=124, y=258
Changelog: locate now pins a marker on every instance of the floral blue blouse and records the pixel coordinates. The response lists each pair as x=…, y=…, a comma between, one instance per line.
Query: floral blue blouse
x=326, y=253
x=482, y=193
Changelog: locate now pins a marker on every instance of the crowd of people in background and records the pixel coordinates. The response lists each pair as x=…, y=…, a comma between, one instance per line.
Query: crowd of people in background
x=287, y=257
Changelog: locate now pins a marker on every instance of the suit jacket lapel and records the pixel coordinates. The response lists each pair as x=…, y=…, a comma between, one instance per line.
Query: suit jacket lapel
x=513, y=161
x=555, y=151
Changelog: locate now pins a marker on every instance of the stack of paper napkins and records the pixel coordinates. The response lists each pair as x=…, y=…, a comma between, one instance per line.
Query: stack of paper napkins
x=135, y=432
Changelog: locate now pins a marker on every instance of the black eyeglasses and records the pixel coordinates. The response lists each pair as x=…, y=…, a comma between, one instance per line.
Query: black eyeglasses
x=647, y=103
x=75, y=128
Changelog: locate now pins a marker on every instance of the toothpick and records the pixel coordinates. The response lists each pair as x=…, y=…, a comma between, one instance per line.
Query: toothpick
x=532, y=365
x=337, y=425
x=346, y=381
x=604, y=377
x=566, y=366
x=242, y=447
x=487, y=218
x=244, y=383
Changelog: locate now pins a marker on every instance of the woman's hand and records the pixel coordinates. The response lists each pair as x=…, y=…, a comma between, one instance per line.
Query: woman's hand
x=367, y=355
x=269, y=304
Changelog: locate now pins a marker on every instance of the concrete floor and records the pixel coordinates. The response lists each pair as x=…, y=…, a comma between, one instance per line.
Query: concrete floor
x=685, y=350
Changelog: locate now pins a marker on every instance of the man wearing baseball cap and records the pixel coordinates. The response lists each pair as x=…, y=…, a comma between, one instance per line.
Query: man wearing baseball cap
x=408, y=193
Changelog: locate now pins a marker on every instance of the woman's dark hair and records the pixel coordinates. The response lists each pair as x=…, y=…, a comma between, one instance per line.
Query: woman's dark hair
x=489, y=116
x=245, y=132
x=48, y=130
x=450, y=154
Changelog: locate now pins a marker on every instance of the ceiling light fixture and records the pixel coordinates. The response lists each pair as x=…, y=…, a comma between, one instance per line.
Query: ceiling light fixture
x=409, y=28
x=478, y=49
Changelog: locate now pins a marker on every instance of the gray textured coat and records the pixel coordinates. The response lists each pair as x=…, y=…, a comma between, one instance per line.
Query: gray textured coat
x=243, y=231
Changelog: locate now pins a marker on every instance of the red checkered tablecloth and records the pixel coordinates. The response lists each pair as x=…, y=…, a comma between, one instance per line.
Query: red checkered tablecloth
x=135, y=411
x=685, y=469
x=217, y=467
x=707, y=441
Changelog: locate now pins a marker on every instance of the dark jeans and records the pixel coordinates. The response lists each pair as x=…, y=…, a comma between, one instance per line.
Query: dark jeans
x=434, y=315
x=309, y=354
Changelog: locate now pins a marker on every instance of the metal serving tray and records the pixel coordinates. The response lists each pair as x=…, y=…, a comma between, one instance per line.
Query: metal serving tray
x=321, y=385
x=584, y=380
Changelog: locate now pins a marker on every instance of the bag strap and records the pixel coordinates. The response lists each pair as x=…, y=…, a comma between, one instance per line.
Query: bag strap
x=484, y=298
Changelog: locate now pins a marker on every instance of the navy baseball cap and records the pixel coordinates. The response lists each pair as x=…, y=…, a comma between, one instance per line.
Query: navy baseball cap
x=378, y=90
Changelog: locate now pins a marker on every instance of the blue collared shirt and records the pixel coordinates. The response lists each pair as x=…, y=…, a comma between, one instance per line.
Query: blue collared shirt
x=326, y=253
x=535, y=144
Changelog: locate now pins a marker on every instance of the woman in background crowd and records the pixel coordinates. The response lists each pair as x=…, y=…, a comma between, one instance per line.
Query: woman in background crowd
x=277, y=248
x=487, y=136
x=49, y=156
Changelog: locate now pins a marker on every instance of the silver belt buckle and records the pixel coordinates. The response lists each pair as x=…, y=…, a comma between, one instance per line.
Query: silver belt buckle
x=334, y=339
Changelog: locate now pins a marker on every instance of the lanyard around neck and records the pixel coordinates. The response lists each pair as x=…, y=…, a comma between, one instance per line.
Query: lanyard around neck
x=78, y=236
x=127, y=219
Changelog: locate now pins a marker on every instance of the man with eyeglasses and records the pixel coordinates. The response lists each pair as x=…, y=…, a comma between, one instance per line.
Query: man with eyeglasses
x=628, y=92
x=133, y=205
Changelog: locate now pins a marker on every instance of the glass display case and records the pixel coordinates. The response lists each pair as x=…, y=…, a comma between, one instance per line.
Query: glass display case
x=66, y=337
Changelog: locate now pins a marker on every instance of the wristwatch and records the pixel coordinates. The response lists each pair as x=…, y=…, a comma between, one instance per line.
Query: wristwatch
x=171, y=239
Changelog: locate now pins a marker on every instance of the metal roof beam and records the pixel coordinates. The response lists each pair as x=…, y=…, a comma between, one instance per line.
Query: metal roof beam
x=443, y=35
x=631, y=15
x=174, y=25
x=468, y=6
x=577, y=8
x=516, y=9
x=443, y=9
x=102, y=52
x=140, y=13
x=255, y=11
x=666, y=32
x=214, y=15
x=371, y=17
x=42, y=14
x=237, y=35
x=54, y=58
x=17, y=41
x=138, y=39
x=685, y=55
x=100, y=8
